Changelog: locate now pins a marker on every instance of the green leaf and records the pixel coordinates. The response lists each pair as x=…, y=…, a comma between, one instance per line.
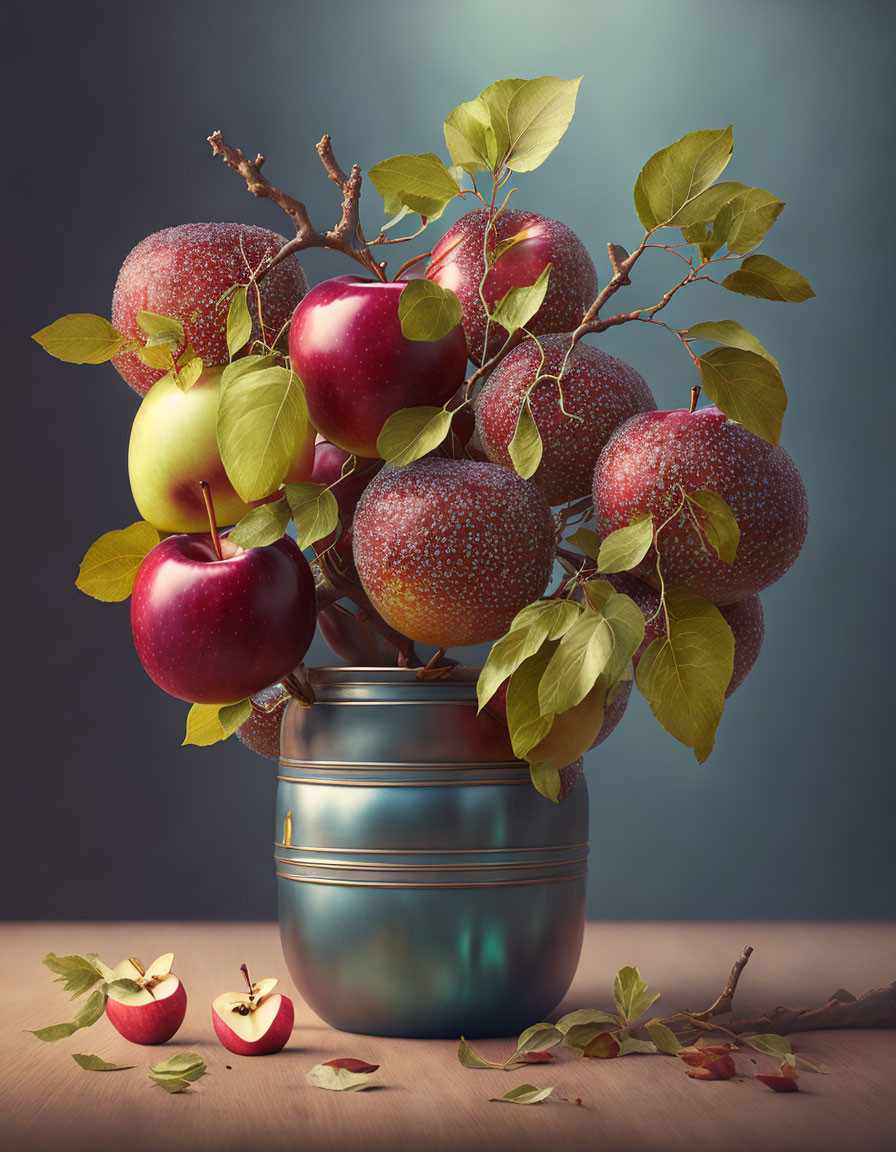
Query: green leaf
x=339, y=1079
x=579, y=1036
x=93, y=1007
x=768, y=279
x=704, y=208
x=179, y=1072
x=538, y=114
x=470, y=137
x=626, y=547
x=124, y=991
x=525, y=721
x=80, y=338
x=410, y=433
x=684, y=674
x=231, y=716
x=525, y=447
x=770, y=1044
x=805, y=1064
x=204, y=726
x=262, y=525
x=314, y=510
x=421, y=183
x=745, y=219
x=519, y=305
x=523, y=1094
x=604, y=1045
x=239, y=322
x=76, y=973
x=747, y=387
x=631, y=995
x=717, y=523
x=663, y=1037
x=161, y=330
x=111, y=563
x=104, y=970
x=186, y=376
x=584, y=1016
x=677, y=174
x=732, y=334
x=471, y=1059
x=546, y=779
x=536, y=1038
x=497, y=99
x=632, y=1044
x=426, y=311
x=586, y=541
x=597, y=593
x=91, y=1063
x=544, y=620
x=261, y=414
x=572, y=733
x=599, y=644
x=158, y=356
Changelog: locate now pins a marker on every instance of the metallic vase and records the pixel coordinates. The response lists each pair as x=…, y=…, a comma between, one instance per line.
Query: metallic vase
x=425, y=888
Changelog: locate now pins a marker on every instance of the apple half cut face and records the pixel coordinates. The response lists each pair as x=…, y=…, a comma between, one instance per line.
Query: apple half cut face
x=157, y=982
x=253, y=1023
x=153, y=1007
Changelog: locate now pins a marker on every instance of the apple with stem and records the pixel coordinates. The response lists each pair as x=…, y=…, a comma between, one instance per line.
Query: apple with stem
x=183, y=272
x=525, y=243
x=152, y=1012
x=255, y=1022
x=357, y=368
x=213, y=622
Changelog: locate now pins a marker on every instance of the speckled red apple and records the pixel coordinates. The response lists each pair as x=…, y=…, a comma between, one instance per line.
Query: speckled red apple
x=651, y=457
x=183, y=272
x=458, y=263
x=450, y=550
x=261, y=732
x=600, y=389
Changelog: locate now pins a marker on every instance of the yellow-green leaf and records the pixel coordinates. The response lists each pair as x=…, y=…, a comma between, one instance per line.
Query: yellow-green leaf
x=410, y=433
x=744, y=220
x=631, y=994
x=426, y=311
x=704, y=208
x=544, y=620
x=684, y=674
x=538, y=114
x=91, y=1063
x=470, y=137
x=80, y=338
x=717, y=523
x=546, y=780
x=421, y=183
x=204, y=726
x=526, y=447
x=239, y=322
x=768, y=279
x=187, y=376
x=525, y=721
x=626, y=547
x=314, y=510
x=747, y=387
x=516, y=308
x=586, y=540
x=523, y=1094
x=496, y=98
x=677, y=174
x=262, y=525
x=663, y=1036
x=110, y=566
x=231, y=716
x=159, y=356
x=161, y=330
x=732, y=334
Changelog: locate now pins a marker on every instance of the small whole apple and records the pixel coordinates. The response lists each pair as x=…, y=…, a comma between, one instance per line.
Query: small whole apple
x=261, y=732
x=183, y=272
x=152, y=1014
x=256, y=1022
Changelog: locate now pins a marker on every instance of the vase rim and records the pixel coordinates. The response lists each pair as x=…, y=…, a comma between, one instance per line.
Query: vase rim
x=350, y=674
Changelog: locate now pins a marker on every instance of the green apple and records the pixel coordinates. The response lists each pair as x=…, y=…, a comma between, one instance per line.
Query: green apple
x=174, y=446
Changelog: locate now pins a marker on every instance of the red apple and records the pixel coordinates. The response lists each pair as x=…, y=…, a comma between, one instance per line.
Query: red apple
x=450, y=550
x=458, y=263
x=653, y=456
x=745, y=619
x=154, y=1014
x=255, y=1022
x=182, y=272
x=261, y=732
x=329, y=461
x=346, y=344
x=600, y=389
x=215, y=631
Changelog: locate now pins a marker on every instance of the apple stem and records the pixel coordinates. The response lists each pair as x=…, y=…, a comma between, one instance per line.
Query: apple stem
x=695, y=395
x=210, y=508
x=245, y=972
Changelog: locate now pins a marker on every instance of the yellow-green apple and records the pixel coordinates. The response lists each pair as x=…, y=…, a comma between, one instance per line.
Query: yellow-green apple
x=450, y=550
x=174, y=444
x=575, y=418
x=152, y=1012
x=346, y=344
x=458, y=263
x=214, y=631
x=654, y=457
x=183, y=272
x=255, y=1022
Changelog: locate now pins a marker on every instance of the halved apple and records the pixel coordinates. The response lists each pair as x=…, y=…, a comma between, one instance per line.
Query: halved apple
x=146, y=1005
x=255, y=1022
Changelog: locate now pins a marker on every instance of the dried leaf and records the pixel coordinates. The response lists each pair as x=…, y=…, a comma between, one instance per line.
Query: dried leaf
x=338, y=1079
x=471, y=1059
x=91, y=1063
x=523, y=1094
x=350, y=1064
x=604, y=1046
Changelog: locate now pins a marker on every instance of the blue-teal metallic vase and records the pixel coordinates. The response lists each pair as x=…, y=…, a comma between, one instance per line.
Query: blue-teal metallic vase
x=425, y=888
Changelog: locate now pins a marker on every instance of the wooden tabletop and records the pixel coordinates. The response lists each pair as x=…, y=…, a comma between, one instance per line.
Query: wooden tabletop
x=428, y=1100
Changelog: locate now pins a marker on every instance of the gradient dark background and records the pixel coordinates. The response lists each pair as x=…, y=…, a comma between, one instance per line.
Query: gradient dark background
x=108, y=106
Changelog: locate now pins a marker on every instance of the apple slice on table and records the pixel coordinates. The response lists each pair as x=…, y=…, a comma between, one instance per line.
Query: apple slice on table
x=255, y=1022
x=146, y=1005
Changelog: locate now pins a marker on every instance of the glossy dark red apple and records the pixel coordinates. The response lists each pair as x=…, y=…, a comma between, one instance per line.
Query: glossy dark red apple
x=182, y=272
x=346, y=344
x=214, y=631
x=458, y=263
x=649, y=460
x=450, y=550
x=597, y=387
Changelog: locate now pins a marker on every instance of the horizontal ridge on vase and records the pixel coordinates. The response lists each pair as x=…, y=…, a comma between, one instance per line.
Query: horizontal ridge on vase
x=426, y=889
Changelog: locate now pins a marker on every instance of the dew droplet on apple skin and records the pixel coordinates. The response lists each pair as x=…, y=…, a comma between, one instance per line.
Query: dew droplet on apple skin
x=183, y=271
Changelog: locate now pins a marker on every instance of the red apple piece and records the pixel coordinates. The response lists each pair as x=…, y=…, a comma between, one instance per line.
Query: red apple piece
x=154, y=1014
x=253, y=1023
